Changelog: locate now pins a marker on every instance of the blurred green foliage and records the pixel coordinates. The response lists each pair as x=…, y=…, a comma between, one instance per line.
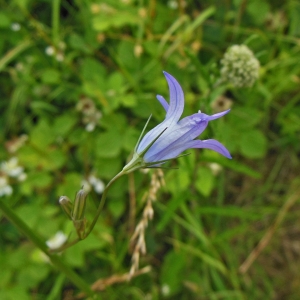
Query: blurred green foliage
x=56, y=54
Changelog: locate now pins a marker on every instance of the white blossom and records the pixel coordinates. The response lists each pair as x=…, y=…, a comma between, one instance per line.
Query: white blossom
x=97, y=184
x=57, y=240
x=50, y=50
x=11, y=168
x=5, y=188
x=15, y=26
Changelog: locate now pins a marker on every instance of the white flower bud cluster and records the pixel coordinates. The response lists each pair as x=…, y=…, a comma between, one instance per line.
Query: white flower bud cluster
x=91, y=115
x=239, y=66
x=10, y=169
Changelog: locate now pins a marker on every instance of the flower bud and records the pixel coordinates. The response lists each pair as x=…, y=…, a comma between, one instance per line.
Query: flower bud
x=66, y=206
x=80, y=227
x=79, y=205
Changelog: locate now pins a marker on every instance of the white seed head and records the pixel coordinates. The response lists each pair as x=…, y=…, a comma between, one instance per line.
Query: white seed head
x=239, y=66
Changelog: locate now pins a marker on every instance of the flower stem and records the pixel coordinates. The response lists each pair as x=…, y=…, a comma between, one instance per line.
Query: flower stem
x=55, y=260
x=102, y=202
x=91, y=227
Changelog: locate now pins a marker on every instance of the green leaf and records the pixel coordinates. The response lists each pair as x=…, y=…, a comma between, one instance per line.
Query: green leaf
x=78, y=43
x=108, y=167
x=205, y=181
x=258, y=10
x=51, y=76
x=63, y=124
x=173, y=204
x=42, y=135
x=35, y=180
x=130, y=139
x=4, y=20
x=70, y=185
x=126, y=55
x=32, y=275
x=178, y=180
x=253, y=144
x=129, y=100
x=294, y=14
x=171, y=274
x=245, y=117
x=109, y=144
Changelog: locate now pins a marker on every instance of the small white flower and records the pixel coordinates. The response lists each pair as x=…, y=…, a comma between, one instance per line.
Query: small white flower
x=22, y=177
x=60, y=57
x=5, y=188
x=97, y=184
x=165, y=290
x=215, y=168
x=50, y=50
x=57, y=240
x=15, y=26
x=90, y=127
x=173, y=4
x=11, y=167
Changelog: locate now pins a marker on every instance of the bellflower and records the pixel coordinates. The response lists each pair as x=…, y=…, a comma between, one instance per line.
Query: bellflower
x=173, y=136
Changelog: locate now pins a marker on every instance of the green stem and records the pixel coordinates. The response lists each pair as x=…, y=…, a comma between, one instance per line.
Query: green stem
x=55, y=260
x=91, y=227
x=55, y=22
x=11, y=54
x=102, y=202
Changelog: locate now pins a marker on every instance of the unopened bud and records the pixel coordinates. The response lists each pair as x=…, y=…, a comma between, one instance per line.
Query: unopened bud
x=79, y=205
x=66, y=206
x=80, y=227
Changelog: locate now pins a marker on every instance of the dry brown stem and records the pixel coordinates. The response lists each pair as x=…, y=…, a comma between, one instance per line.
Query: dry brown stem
x=138, y=237
x=270, y=232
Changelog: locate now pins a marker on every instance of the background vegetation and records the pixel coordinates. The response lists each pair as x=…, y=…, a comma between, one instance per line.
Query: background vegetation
x=78, y=81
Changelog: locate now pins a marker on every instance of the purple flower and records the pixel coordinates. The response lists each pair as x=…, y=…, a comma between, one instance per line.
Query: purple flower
x=173, y=136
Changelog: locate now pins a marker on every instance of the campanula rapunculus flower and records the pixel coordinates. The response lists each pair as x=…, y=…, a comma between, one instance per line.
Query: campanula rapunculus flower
x=173, y=136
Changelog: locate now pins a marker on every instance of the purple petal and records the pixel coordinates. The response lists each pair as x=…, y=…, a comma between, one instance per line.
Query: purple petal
x=163, y=102
x=176, y=99
x=186, y=130
x=151, y=135
x=218, y=115
x=173, y=114
x=178, y=149
x=210, y=144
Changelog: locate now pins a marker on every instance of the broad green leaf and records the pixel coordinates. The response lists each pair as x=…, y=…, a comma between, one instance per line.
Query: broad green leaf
x=253, y=144
x=205, y=181
x=51, y=76
x=108, y=144
x=42, y=135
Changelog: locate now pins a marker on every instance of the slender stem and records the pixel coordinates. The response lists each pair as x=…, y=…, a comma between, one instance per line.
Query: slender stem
x=55, y=260
x=55, y=21
x=91, y=227
x=11, y=54
x=64, y=246
x=102, y=202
